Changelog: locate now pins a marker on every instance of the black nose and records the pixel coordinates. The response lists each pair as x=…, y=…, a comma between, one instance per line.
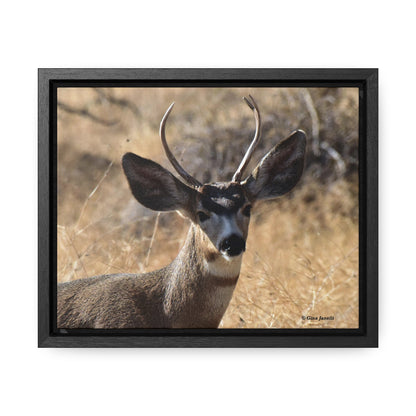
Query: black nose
x=233, y=245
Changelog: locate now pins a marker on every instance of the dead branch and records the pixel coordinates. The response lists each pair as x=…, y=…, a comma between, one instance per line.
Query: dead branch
x=120, y=102
x=317, y=144
x=84, y=112
x=314, y=118
x=340, y=164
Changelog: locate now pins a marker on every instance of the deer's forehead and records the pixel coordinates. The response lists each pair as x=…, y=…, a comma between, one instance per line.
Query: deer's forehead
x=222, y=198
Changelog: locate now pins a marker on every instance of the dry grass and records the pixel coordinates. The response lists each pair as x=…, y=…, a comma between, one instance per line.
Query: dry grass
x=302, y=250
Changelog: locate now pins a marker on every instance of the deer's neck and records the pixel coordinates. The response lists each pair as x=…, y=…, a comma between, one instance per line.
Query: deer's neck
x=201, y=282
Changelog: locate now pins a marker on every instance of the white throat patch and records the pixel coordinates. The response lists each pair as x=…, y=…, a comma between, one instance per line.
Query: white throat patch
x=224, y=267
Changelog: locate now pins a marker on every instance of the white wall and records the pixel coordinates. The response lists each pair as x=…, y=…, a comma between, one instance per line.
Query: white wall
x=207, y=34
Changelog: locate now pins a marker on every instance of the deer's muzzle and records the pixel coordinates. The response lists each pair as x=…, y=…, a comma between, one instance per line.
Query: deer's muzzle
x=233, y=245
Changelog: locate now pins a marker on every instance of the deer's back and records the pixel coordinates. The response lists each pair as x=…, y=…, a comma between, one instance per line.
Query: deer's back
x=112, y=301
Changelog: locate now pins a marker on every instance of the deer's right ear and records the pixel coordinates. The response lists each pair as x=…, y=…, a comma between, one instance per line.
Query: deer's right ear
x=155, y=187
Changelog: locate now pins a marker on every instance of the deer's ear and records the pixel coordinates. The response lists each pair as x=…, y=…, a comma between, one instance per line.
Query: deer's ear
x=155, y=187
x=280, y=170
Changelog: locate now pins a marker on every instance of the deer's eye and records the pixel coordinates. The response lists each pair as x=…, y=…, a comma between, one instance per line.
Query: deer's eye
x=247, y=210
x=202, y=216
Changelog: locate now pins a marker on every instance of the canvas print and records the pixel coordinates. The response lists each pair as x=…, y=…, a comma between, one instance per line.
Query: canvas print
x=207, y=207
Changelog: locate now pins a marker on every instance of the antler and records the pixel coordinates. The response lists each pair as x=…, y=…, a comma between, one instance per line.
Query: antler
x=191, y=180
x=246, y=159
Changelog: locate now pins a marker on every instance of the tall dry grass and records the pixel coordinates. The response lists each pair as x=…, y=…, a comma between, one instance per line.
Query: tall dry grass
x=302, y=250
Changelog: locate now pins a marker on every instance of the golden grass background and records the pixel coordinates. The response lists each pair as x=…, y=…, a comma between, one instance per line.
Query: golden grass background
x=302, y=249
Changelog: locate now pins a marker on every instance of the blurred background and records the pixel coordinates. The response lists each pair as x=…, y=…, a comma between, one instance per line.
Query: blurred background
x=302, y=249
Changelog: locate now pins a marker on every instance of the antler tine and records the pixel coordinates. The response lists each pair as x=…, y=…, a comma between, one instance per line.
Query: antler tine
x=185, y=175
x=246, y=159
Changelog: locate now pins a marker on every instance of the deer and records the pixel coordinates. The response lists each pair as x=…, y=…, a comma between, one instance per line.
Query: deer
x=195, y=289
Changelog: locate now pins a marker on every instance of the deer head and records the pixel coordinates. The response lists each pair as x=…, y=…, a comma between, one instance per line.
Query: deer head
x=221, y=210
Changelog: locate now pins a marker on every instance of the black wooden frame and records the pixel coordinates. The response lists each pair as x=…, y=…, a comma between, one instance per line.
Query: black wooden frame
x=367, y=333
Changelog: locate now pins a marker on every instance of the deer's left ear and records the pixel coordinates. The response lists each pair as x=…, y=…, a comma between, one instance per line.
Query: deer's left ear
x=280, y=170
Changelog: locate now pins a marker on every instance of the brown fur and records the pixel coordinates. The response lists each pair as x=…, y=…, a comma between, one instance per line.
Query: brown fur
x=179, y=296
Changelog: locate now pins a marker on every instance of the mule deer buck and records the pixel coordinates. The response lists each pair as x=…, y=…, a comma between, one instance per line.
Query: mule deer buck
x=196, y=288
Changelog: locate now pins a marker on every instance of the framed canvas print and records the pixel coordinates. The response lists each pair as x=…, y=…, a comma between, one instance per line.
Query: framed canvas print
x=208, y=208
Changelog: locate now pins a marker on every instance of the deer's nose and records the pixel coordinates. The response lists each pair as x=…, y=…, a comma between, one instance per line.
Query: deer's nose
x=233, y=245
